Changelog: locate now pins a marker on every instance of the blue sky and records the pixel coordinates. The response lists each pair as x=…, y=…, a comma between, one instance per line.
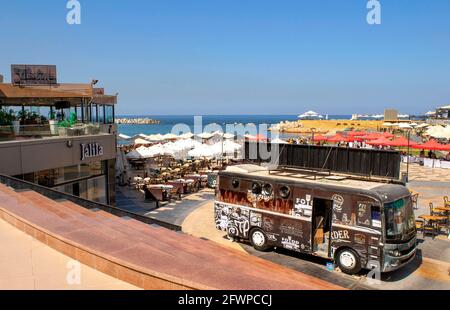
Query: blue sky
x=241, y=56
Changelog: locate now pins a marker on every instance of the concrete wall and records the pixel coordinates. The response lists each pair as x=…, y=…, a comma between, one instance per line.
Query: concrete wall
x=21, y=157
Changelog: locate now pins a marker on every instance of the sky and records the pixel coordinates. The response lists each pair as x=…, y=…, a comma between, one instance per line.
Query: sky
x=198, y=57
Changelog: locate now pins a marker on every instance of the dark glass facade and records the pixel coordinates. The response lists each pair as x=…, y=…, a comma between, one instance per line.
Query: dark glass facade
x=93, y=181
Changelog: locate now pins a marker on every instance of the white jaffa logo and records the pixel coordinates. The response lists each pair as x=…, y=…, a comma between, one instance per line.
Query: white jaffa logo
x=91, y=150
x=374, y=15
x=74, y=15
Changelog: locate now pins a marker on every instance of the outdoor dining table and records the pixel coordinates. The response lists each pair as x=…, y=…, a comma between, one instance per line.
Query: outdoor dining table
x=443, y=209
x=432, y=220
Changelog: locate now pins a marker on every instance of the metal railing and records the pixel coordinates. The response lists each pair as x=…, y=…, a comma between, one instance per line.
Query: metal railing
x=18, y=184
x=40, y=131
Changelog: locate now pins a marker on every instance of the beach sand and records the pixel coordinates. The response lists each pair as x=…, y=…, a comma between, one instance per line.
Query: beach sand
x=329, y=126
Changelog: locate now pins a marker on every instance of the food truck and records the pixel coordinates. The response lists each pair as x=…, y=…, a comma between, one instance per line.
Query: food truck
x=358, y=223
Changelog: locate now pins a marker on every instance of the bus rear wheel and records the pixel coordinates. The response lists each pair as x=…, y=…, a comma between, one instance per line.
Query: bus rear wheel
x=259, y=240
x=348, y=261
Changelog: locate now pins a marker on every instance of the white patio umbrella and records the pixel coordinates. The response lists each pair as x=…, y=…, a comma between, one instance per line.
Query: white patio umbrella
x=170, y=136
x=155, y=138
x=187, y=135
x=202, y=151
x=134, y=154
x=141, y=142
x=439, y=132
x=141, y=135
x=404, y=126
x=205, y=135
x=228, y=136
x=389, y=124
x=226, y=146
x=278, y=141
x=310, y=114
x=122, y=137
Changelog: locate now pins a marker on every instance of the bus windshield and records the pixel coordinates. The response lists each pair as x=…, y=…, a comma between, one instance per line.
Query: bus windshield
x=399, y=218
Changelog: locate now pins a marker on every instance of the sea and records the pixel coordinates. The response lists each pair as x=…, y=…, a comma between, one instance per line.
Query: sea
x=167, y=122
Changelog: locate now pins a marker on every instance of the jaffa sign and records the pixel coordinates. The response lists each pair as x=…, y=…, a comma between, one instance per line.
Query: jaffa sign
x=33, y=74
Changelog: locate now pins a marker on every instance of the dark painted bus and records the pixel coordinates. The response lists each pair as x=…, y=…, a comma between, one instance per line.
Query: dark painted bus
x=359, y=224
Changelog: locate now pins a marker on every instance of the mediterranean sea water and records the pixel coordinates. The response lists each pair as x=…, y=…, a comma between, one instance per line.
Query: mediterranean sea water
x=167, y=122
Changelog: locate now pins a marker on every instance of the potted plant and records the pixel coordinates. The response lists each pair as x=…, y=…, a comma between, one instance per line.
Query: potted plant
x=53, y=122
x=15, y=122
x=63, y=128
x=7, y=120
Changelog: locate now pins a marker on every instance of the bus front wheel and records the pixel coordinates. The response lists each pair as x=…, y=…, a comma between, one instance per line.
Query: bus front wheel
x=348, y=261
x=259, y=240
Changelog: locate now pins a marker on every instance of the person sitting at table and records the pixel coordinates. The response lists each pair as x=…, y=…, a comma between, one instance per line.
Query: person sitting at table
x=447, y=158
x=422, y=154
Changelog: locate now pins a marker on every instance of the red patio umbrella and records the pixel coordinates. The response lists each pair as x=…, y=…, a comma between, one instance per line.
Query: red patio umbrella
x=380, y=141
x=337, y=138
x=401, y=141
x=258, y=137
x=356, y=133
x=319, y=137
x=388, y=135
x=372, y=136
x=431, y=145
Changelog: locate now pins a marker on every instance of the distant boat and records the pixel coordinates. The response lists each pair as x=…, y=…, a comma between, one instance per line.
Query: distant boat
x=310, y=115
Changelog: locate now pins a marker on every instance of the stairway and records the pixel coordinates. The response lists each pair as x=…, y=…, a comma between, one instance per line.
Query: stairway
x=147, y=256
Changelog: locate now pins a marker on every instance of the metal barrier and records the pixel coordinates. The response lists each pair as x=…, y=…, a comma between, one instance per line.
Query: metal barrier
x=353, y=161
x=18, y=184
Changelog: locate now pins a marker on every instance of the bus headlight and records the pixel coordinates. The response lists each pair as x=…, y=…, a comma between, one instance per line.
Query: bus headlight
x=395, y=253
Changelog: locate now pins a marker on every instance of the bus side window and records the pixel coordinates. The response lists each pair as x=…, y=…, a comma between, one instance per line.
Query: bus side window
x=376, y=216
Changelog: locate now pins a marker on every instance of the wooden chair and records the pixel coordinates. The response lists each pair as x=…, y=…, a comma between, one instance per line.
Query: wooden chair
x=434, y=211
x=420, y=226
x=446, y=202
x=427, y=228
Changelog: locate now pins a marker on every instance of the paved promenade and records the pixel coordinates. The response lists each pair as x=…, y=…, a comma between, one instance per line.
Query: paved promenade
x=28, y=264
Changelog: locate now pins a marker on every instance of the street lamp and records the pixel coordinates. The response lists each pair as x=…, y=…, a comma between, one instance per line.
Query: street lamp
x=407, y=157
x=407, y=154
x=312, y=132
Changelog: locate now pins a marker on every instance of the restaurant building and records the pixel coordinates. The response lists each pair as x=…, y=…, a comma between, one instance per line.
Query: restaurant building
x=58, y=135
x=443, y=113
